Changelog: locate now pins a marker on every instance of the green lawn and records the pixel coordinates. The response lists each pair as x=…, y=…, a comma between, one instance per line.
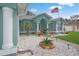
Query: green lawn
x=71, y=37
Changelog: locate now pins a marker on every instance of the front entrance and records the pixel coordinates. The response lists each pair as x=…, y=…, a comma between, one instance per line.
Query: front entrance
x=43, y=26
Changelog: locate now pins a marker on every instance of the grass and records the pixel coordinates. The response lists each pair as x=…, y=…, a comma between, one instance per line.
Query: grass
x=71, y=37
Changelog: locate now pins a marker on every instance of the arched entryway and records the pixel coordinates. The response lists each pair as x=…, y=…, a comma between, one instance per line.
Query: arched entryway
x=43, y=26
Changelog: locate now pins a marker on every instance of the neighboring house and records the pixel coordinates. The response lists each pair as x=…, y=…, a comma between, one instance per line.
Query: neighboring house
x=42, y=22
x=72, y=25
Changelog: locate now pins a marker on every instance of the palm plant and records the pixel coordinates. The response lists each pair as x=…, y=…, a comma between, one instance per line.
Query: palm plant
x=47, y=41
x=46, y=44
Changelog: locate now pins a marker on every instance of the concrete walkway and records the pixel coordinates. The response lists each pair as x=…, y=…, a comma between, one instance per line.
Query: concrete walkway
x=62, y=48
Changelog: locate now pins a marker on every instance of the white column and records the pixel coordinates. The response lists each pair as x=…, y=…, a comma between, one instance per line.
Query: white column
x=63, y=27
x=7, y=28
x=38, y=27
x=47, y=27
x=56, y=27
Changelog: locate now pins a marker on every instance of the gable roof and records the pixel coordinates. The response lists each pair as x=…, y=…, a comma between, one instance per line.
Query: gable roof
x=29, y=15
x=43, y=14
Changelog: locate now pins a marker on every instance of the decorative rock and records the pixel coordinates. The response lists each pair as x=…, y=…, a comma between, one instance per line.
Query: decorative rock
x=61, y=47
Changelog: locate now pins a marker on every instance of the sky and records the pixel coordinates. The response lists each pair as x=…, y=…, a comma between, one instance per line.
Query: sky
x=65, y=9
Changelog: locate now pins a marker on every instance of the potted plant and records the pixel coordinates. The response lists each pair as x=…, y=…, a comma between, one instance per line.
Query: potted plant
x=51, y=34
x=46, y=44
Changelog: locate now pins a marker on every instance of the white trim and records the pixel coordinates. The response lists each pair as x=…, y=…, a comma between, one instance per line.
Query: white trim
x=56, y=27
x=63, y=27
x=59, y=31
x=37, y=28
x=47, y=27
x=34, y=31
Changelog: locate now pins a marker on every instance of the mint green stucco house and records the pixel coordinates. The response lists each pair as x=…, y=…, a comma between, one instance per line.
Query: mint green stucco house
x=42, y=22
x=8, y=28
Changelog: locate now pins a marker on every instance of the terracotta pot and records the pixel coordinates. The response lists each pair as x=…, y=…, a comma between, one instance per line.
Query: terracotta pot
x=52, y=46
x=44, y=46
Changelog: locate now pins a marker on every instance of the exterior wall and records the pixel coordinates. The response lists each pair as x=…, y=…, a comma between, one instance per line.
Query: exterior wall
x=33, y=27
x=77, y=27
x=15, y=27
x=68, y=28
x=20, y=26
x=60, y=25
x=52, y=26
x=1, y=27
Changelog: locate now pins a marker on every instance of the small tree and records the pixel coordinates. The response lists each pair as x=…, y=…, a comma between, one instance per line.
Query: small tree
x=27, y=27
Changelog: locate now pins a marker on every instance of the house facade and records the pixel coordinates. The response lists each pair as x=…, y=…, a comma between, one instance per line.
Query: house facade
x=42, y=22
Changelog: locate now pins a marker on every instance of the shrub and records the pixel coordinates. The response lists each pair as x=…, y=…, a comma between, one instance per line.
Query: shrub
x=51, y=32
x=40, y=33
x=66, y=32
